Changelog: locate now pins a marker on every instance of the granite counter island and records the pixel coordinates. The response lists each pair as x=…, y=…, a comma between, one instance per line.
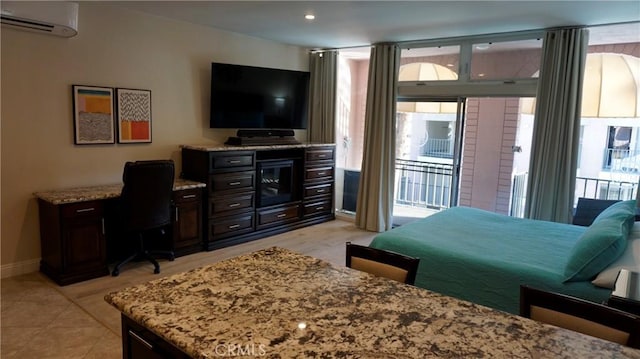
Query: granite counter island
x=279, y=304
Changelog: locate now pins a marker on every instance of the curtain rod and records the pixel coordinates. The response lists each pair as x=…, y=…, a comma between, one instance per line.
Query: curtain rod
x=472, y=37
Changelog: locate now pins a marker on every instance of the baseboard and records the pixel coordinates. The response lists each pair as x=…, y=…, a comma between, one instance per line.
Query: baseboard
x=349, y=217
x=19, y=268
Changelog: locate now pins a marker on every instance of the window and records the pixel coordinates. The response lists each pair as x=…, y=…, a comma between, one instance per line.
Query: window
x=353, y=68
x=523, y=59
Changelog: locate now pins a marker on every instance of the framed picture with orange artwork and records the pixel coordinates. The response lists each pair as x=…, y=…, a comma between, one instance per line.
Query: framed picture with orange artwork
x=133, y=109
x=92, y=115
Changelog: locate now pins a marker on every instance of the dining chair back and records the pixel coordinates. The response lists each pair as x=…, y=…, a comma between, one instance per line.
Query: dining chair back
x=382, y=263
x=580, y=315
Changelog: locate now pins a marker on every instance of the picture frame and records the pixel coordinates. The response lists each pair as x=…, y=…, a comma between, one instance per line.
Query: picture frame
x=133, y=110
x=93, y=120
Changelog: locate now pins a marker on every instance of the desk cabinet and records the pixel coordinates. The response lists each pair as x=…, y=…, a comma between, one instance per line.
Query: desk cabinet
x=187, y=221
x=80, y=231
x=73, y=241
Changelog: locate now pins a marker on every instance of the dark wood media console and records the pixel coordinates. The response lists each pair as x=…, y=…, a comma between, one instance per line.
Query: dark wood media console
x=259, y=191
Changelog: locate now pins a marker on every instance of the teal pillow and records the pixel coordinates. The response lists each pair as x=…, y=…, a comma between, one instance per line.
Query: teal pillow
x=623, y=211
x=601, y=244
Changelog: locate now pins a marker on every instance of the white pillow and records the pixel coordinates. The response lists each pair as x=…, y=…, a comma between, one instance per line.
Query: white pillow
x=630, y=260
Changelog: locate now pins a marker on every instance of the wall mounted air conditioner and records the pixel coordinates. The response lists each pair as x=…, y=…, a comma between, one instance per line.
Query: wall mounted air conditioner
x=47, y=17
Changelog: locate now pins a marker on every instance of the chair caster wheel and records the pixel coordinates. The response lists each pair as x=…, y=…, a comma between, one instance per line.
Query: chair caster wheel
x=172, y=258
x=156, y=271
x=115, y=273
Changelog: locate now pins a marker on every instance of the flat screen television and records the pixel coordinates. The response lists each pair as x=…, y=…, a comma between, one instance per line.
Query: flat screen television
x=247, y=97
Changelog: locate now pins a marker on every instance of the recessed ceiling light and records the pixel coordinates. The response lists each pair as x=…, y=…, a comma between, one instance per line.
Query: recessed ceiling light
x=309, y=16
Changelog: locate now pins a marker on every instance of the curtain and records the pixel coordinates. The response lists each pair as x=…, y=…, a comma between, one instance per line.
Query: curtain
x=375, y=193
x=638, y=197
x=322, y=113
x=556, y=131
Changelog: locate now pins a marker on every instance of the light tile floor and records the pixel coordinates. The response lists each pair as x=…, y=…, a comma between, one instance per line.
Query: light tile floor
x=40, y=319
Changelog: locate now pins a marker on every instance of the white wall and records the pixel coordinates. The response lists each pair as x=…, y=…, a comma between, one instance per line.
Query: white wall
x=113, y=48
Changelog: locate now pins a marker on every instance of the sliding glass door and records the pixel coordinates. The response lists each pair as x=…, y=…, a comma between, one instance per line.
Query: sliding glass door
x=428, y=147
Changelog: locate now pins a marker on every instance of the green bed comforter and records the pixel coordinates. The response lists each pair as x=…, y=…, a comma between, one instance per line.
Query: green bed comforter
x=483, y=257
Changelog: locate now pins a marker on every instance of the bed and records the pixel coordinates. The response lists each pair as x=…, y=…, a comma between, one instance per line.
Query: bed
x=483, y=257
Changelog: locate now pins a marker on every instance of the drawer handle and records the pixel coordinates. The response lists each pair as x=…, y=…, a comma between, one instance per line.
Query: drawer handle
x=320, y=190
x=189, y=196
x=234, y=183
x=234, y=205
x=234, y=226
x=140, y=339
x=85, y=210
x=233, y=162
x=321, y=156
x=319, y=208
x=281, y=215
x=321, y=173
x=177, y=215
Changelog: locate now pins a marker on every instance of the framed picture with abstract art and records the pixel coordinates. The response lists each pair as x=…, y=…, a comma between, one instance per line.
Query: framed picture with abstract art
x=133, y=108
x=92, y=115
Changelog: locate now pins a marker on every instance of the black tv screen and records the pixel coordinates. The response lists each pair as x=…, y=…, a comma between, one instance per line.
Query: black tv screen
x=258, y=97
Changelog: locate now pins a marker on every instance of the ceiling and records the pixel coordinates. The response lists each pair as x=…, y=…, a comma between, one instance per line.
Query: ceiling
x=340, y=24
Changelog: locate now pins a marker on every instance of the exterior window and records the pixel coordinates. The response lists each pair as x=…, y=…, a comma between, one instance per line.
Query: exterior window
x=353, y=67
x=618, y=155
x=506, y=60
x=439, y=63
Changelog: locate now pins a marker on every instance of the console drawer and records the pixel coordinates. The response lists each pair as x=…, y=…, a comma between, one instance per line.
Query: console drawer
x=318, y=173
x=320, y=207
x=323, y=189
x=324, y=154
x=237, y=181
x=239, y=202
x=232, y=160
x=231, y=226
x=278, y=215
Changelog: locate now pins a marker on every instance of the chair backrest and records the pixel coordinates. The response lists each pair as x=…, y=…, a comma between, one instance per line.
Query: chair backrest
x=588, y=209
x=579, y=315
x=382, y=263
x=147, y=193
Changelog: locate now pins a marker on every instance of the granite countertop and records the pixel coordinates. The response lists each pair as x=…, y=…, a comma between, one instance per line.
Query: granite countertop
x=219, y=147
x=93, y=193
x=283, y=305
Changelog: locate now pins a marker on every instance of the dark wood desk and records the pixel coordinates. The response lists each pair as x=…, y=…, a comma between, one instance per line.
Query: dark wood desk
x=77, y=227
x=279, y=304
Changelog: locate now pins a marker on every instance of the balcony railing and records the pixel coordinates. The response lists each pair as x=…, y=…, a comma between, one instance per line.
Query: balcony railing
x=626, y=161
x=428, y=185
x=518, y=194
x=605, y=189
x=594, y=188
x=438, y=147
x=423, y=184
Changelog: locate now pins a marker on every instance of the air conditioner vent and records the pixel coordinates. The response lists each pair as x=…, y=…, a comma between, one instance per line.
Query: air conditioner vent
x=25, y=23
x=48, y=17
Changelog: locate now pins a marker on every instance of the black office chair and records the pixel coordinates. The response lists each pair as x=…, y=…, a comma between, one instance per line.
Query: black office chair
x=579, y=315
x=145, y=206
x=588, y=209
x=382, y=263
